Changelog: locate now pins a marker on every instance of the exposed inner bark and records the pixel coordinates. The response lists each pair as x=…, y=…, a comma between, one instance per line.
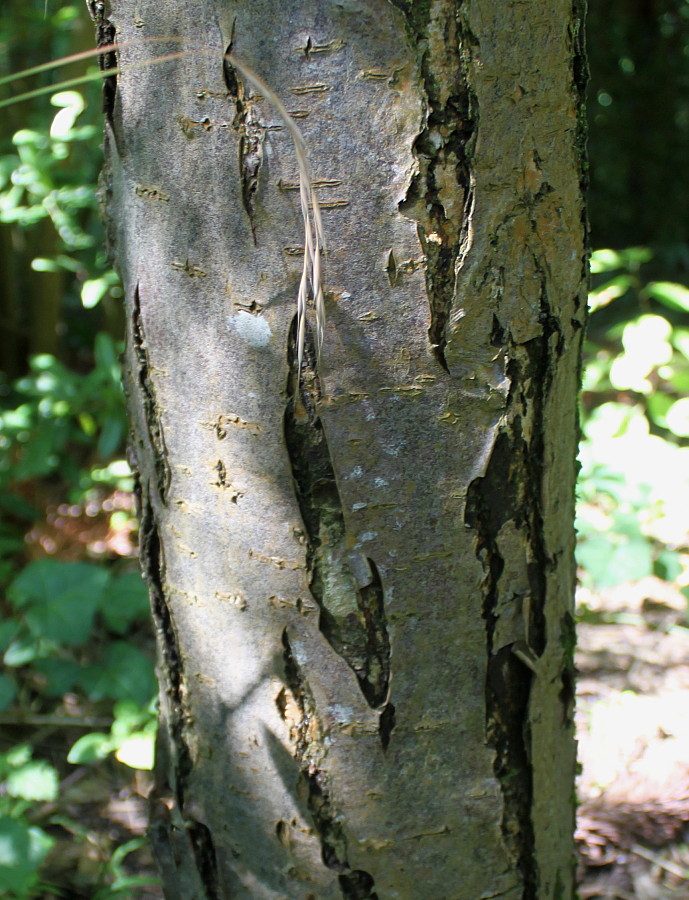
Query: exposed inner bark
x=355, y=884
x=152, y=413
x=105, y=37
x=491, y=501
x=440, y=197
x=347, y=586
x=510, y=492
x=252, y=136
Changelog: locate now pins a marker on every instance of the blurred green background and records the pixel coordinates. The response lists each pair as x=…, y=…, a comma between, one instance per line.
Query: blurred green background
x=77, y=714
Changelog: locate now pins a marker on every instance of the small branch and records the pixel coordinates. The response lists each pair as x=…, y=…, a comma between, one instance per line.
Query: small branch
x=56, y=721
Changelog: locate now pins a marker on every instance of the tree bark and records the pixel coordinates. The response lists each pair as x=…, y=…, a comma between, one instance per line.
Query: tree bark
x=361, y=574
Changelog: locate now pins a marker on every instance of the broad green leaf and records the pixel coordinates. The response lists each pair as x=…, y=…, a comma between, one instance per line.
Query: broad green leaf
x=36, y=781
x=21, y=651
x=611, y=290
x=59, y=598
x=137, y=751
x=8, y=691
x=607, y=563
x=104, y=349
x=677, y=417
x=126, y=674
x=680, y=338
x=22, y=850
x=8, y=631
x=605, y=261
x=111, y=436
x=125, y=600
x=90, y=748
x=60, y=675
x=17, y=756
x=657, y=405
x=633, y=257
x=668, y=565
x=92, y=292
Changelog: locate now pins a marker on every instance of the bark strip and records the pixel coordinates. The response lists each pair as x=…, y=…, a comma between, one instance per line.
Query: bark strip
x=347, y=586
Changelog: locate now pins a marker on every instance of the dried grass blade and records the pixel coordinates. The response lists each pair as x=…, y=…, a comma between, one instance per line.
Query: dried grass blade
x=314, y=242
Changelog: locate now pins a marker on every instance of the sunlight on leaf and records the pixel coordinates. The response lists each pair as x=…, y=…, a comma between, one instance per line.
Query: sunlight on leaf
x=35, y=780
x=138, y=751
x=73, y=104
x=670, y=294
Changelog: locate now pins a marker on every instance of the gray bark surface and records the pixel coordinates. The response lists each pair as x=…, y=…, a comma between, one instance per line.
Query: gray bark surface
x=361, y=577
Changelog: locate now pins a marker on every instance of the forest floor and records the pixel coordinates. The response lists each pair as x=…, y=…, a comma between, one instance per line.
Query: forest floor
x=633, y=733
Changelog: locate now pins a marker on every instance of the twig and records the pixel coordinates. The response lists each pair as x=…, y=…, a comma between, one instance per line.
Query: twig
x=658, y=860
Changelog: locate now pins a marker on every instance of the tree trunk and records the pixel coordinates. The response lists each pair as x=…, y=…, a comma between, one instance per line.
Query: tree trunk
x=361, y=574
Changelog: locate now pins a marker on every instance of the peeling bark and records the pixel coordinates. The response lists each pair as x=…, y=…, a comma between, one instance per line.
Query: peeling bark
x=361, y=572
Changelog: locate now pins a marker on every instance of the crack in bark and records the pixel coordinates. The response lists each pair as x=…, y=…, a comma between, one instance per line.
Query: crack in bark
x=204, y=856
x=105, y=37
x=510, y=490
x=440, y=197
x=493, y=500
x=347, y=587
x=150, y=403
x=580, y=78
x=355, y=884
x=251, y=138
x=178, y=840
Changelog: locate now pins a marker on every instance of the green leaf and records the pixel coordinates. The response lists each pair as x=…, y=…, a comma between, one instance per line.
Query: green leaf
x=104, y=349
x=92, y=292
x=59, y=598
x=10, y=545
x=605, y=261
x=657, y=405
x=609, y=291
x=22, y=850
x=670, y=294
x=677, y=417
x=17, y=506
x=90, y=748
x=633, y=257
x=36, y=781
x=60, y=675
x=8, y=631
x=21, y=651
x=8, y=691
x=125, y=600
x=668, y=565
x=111, y=436
x=137, y=751
x=127, y=674
x=607, y=563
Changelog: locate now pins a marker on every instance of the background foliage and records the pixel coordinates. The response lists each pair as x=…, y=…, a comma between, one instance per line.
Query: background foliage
x=77, y=715
x=76, y=709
